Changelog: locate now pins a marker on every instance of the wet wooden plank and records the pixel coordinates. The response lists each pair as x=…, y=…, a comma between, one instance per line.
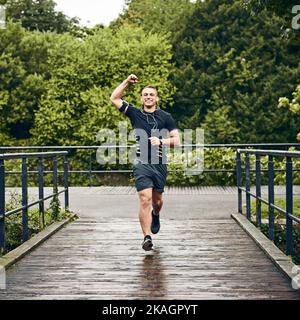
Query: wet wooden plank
x=103, y=259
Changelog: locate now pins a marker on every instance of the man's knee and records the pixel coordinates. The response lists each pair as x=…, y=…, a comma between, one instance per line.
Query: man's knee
x=145, y=200
x=157, y=202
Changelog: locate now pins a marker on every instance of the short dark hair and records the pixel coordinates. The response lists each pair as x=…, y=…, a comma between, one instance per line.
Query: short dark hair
x=151, y=87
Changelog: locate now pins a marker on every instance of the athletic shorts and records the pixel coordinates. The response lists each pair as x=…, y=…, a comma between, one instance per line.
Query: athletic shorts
x=150, y=176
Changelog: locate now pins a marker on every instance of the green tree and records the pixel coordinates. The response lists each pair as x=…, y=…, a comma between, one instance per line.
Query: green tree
x=280, y=7
x=76, y=103
x=293, y=105
x=24, y=70
x=38, y=15
x=219, y=127
x=234, y=65
x=154, y=15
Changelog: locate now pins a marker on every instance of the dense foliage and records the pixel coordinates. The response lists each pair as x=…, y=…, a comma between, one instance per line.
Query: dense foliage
x=217, y=66
x=38, y=15
x=231, y=69
x=292, y=104
x=280, y=7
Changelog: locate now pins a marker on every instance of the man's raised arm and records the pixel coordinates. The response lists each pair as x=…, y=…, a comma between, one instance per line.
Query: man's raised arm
x=116, y=96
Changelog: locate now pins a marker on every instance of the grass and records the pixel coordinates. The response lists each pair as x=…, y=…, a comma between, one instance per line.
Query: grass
x=280, y=230
x=279, y=202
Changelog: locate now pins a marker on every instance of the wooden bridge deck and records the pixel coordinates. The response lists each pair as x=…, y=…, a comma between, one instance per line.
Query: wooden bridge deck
x=102, y=259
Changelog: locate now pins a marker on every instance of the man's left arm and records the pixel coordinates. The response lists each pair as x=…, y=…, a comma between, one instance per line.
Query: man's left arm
x=174, y=138
x=172, y=141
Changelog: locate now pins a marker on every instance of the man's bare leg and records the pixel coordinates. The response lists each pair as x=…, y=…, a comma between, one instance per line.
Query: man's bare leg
x=157, y=201
x=145, y=197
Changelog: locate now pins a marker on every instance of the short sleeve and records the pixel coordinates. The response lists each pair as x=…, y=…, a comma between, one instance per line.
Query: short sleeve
x=170, y=123
x=131, y=110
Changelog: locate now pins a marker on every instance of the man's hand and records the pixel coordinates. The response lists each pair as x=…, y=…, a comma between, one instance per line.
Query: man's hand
x=174, y=140
x=154, y=141
x=132, y=79
x=116, y=96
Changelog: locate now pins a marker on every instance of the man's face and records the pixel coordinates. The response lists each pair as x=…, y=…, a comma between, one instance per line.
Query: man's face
x=149, y=98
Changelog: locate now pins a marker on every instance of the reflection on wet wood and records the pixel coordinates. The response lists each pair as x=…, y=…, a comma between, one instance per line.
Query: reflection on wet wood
x=103, y=259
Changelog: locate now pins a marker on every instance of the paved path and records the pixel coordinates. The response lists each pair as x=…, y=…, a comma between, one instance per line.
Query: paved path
x=180, y=203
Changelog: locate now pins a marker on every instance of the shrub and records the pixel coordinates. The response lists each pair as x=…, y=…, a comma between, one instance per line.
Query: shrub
x=36, y=223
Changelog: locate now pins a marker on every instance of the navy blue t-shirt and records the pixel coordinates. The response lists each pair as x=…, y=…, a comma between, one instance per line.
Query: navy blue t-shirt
x=150, y=124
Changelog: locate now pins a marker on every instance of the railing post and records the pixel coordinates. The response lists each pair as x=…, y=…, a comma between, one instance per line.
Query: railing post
x=248, y=184
x=25, y=200
x=90, y=170
x=55, y=180
x=289, y=206
x=66, y=183
x=239, y=181
x=258, y=190
x=41, y=190
x=271, y=197
x=2, y=204
x=55, y=190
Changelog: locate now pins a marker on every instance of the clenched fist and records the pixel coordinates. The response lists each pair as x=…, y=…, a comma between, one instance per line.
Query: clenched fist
x=132, y=79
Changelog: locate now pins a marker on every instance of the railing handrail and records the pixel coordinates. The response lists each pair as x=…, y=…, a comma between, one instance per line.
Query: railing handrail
x=24, y=155
x=293, y=154
x=232, y=145
x=90, y=171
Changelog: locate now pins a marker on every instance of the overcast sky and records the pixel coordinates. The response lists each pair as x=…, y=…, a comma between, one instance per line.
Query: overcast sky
x=91, y=12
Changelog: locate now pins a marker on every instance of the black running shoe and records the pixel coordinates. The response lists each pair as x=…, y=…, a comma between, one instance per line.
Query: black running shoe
x=155, y=225
x=147, y=243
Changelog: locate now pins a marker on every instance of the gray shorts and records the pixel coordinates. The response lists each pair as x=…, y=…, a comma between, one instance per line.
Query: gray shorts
x=150, y=176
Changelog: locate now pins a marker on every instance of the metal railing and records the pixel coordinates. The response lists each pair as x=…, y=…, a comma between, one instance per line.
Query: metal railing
x=288, y=212
x=90, y=171
x=24, y=172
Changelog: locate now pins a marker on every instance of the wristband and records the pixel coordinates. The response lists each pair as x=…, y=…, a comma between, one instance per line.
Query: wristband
x=123, y=107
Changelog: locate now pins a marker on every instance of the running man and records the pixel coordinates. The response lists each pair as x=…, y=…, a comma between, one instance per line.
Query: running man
x=154, y=129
